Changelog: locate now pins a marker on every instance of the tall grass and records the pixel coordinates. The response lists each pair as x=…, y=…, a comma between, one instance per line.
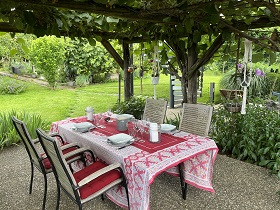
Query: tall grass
x=11, y=86
x=8, y=134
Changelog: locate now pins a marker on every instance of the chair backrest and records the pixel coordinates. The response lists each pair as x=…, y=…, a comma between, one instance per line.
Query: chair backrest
x=196, y=119
x=32, y=151
x=155, y=110
x=61, y=169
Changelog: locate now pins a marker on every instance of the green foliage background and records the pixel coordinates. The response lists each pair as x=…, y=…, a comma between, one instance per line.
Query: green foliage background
x=253, y=137
x=48, y=54
x=84, y=59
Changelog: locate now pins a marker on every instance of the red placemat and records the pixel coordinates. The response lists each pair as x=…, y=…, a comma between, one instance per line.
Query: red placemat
x=167, y=140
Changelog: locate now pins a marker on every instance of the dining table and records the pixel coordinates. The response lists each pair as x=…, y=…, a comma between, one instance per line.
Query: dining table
x=143, y=160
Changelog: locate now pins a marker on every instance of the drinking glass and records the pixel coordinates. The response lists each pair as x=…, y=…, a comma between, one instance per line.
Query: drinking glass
x=131, y=131
x=142, y=126
x=135, y=128
x=98, y=119
x=146, y=125
x=138, y=127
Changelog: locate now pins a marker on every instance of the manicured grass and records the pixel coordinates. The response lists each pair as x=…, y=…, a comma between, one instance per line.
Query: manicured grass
x=59, y=104
x=52, y=105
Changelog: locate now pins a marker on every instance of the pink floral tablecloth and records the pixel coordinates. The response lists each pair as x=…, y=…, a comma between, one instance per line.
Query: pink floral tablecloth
x=141, y=167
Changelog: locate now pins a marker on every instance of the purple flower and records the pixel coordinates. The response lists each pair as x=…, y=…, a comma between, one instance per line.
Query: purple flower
x=259, y=73
x=239, y=65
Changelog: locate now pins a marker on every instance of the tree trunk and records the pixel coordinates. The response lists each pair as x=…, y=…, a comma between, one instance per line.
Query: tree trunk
x=192, y=80
x=182, y=63
x=184, y=83
x=189, y=65
x=131, y=73
x=127, y=78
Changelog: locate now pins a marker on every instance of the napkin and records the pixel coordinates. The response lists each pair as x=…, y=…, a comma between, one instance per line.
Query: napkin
x=83, y=126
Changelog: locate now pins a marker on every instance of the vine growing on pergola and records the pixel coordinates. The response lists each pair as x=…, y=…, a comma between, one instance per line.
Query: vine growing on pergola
x=181, y=24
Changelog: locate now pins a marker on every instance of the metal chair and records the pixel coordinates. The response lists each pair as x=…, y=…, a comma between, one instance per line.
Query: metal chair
x=86, y=184
x=40, y=160
x=195, y=119
x=155, y=110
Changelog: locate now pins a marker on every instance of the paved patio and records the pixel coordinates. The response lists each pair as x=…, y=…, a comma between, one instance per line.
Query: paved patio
x=238, y=185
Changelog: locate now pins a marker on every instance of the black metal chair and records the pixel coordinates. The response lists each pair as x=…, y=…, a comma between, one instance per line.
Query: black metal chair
x=86, y=184
x=40, y=160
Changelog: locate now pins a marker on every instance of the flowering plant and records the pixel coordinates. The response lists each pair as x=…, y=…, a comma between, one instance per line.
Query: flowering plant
x=258, y=72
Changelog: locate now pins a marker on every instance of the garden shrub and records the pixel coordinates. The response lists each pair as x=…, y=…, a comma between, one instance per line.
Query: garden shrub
x=253, y=137
x=11, y=86
x=134, y=106
x=8, y=134
x=48, y=54
x=274, y=81
x=82, y=80
x=83, y=58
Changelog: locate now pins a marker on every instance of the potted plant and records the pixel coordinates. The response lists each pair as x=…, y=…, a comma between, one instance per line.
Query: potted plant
x=235, y=104
x=155, y=73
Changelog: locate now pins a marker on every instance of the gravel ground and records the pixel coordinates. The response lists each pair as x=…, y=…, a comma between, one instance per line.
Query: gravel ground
x=238, y=185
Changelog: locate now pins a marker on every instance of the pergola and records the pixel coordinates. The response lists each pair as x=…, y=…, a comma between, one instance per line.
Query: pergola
x=181, y=24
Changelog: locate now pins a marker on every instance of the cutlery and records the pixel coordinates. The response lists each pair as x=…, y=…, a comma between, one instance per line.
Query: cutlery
x=173, y=133
x=122, y=147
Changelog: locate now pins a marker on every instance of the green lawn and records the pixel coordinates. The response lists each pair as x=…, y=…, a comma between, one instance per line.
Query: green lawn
x=59, y=104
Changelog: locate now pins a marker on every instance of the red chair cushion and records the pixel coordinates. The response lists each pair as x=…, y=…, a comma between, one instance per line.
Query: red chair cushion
x=97, y=183
x=46, y=161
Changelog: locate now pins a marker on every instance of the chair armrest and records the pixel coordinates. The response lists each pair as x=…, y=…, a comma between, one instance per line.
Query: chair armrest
x=57, y=135
x=35, y=141
x=67, y=146
x=99, y=173
x=76, y=152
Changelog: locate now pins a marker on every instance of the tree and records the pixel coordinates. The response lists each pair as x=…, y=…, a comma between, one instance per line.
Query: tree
x=83, y=58
x=48, y=54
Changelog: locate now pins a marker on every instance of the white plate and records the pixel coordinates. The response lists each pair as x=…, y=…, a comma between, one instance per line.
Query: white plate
x=120, y=144
x=120, y=138
x=165, y=128
x=83, y=126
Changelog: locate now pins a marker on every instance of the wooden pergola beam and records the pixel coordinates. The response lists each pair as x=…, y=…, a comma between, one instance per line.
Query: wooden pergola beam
x=92, y=7
x=113, y=52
